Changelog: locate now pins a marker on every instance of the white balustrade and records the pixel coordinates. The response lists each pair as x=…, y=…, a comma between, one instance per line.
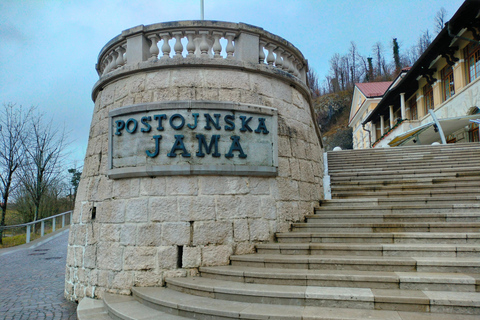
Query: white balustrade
x=208, y=41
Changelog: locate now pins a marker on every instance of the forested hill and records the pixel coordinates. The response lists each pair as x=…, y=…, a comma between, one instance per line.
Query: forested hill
x=332, y=111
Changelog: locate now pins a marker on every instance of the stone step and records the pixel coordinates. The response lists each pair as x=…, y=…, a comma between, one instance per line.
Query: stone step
x=358, y=172
x=333, y=297
x=387, y=237
x=444, y=188
x=426, y=193
x=374, y=180
x=207, y=308
x=413, y=200
x=401, y=176
x=129, y=308
x=90, y=308
x=365, y=263
x=372, y=249
x=366, y=166
x=407, y=161
x=348, y=217
x=385, y=209
x=388, y=227
x=437, y=281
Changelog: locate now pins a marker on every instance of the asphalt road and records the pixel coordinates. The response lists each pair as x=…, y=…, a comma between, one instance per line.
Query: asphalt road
x=32, y=281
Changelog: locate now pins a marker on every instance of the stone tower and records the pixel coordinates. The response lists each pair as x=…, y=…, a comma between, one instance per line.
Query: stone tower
x=202, y=143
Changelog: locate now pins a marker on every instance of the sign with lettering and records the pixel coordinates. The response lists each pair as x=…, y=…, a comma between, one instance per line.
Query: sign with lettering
x=193, y=137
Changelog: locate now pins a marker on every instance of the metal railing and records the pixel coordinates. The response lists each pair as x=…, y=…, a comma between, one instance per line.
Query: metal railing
x=65, y=219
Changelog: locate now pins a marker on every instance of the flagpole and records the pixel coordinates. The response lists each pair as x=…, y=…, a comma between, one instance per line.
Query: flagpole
x=202, y=15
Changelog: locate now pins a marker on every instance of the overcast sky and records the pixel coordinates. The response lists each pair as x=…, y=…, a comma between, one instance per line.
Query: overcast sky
x=48, y=49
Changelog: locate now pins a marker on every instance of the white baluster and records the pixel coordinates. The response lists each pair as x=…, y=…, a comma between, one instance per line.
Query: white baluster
x=217, y=47
x=120, y=60
x=230, y=48
x=278, y=60
x=114, y=59
x=108, y=62
x=178, y=47
x=270, y=56
x=190, y=44
x=286, y=63
x=291, y=68
x=154, y=51
x=297, y=68
x=165, y=47
x=204, y=47
x=261, y=53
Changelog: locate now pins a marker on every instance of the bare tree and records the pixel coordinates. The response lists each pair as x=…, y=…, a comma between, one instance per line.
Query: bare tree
x=312, y=81
x=44, y=152
x=440, y=19
x=424, y=41
x=12, y=131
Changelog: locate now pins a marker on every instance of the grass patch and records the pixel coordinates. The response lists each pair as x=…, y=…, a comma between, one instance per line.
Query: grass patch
x=16, y=240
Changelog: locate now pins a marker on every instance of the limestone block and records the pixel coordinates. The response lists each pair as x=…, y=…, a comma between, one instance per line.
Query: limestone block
x=231, y=80
x=249, y=206
x=244, y=248
x=298, y=148
x=167, y=257
x=93, y=233
x=227, y=208
x=106, y=96
x=175, y=273
x=240, y=230
x=163, y=209
x=216, y=255
x=285, y=189
x=192, y=257
x=111, y=211
x=110, y=232
x=284, y=149
x=209, y=94
x=71, y=256
x=295, y=168
x=306, y=170
x=259, y=186
x=283, y=167
x=165, y=94
x=147, y=279
x=136, y=210
x=105, y=187
x=212, y=232
x=229, y=95
x=109, y=256
x=287, y=210
x=153, y=186
x=69, y=291
x=128, y=234
x=149, y=234
x=155, y=80
x=268, y=208
x=223, y=185
x=126, y=188
x=143, y=97
x=139, y=258
x=199, y=208
x=259, y=229
x=78, y=253
x=90, y=257
x=175, y=233
x=308, y=191
x=122, y=280
x=182, y=186
x=103, y=277
x=86, y=212
x=187, y=78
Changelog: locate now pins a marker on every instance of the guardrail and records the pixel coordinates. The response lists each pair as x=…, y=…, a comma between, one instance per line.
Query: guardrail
x=66, y=219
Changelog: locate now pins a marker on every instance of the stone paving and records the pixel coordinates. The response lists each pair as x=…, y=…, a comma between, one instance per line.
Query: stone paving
x=32, y=282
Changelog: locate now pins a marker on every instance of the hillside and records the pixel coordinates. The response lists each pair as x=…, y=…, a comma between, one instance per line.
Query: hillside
x=332, y=112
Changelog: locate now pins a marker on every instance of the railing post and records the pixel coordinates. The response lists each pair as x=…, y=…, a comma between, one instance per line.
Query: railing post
x=138, y=49
x=28, y=233
x=42, y=228
x=71, y=217
x=246, y=48
x=63, y=221
x=53, y=224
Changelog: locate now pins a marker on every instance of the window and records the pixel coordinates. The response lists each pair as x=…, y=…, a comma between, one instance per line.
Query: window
x=474, y=133
x=448, y=85
x=412, y=104
x=428, y=97
x=472, y=52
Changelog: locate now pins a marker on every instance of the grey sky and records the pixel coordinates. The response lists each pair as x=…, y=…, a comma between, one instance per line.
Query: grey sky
x=48, y=49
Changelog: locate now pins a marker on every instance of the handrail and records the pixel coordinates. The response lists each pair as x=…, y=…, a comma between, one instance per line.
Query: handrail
x=33, y=222
x=42, y=224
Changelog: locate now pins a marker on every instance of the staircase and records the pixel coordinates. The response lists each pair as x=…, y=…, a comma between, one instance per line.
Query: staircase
x=399, y=240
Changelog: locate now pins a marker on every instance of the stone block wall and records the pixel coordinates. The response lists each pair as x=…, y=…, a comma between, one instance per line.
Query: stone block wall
x=137, y=231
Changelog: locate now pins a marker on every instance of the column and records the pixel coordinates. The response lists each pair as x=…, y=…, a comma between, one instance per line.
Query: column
x=374, y=132
x=391, y=117
x=382, y=125
x=402, y=105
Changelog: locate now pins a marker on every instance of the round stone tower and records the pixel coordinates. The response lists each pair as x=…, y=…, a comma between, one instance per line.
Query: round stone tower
x=202, y=143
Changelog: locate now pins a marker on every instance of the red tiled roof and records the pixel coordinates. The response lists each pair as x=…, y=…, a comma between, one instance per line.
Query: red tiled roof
x=373, y=89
